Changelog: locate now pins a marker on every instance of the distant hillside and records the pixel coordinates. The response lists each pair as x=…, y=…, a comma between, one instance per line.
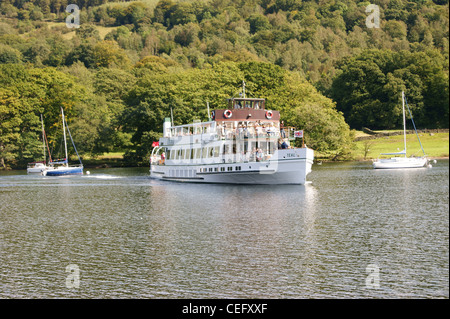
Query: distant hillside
x=352, y=69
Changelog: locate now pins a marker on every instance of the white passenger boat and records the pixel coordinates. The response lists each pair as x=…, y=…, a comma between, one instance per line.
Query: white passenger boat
x=243, y=144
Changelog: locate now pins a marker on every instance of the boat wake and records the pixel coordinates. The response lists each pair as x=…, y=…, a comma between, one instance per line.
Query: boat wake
x=102, y=176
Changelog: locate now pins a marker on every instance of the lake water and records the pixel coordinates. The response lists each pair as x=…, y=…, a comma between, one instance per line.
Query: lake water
x=353, y=232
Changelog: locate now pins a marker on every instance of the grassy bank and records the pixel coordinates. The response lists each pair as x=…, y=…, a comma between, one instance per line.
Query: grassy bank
x=434, y=144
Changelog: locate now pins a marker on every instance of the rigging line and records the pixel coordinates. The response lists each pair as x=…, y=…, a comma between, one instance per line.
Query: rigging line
x=414, y=125
x=70, y=135
x=46, y=142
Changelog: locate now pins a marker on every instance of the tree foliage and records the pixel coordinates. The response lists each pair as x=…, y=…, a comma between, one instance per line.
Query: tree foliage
x=368, y=90
x=130, y=61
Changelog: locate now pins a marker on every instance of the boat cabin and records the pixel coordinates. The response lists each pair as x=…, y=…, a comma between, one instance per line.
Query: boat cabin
x=246, y=109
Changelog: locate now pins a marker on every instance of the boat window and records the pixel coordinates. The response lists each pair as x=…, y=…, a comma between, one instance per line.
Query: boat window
x=205, y=150
x=216, y=151
x=183, y=152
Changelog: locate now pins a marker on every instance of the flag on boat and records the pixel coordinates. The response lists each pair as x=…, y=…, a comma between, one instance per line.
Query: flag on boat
x=154, y=144
x=298, y=133
x=60, y=161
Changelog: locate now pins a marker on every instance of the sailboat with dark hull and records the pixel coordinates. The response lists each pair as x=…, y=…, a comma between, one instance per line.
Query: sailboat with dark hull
x=62, y=167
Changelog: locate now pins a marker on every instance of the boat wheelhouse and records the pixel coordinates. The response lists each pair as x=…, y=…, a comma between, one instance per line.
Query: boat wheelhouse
x=242, y=144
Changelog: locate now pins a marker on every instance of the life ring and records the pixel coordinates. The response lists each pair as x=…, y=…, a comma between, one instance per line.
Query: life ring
x=213, y=115
x=228, y=114
x=269, y=115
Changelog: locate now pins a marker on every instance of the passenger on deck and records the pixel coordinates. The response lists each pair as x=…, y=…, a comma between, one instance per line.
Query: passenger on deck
x=259, y=130
x=259, y=155
x=282, y=131
x=251, y=131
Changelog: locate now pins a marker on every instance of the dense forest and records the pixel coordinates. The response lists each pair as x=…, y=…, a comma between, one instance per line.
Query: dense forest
x=118, y=74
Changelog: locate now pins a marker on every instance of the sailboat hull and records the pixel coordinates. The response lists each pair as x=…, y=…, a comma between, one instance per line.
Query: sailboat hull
x=36, y=169
x=401, y=162
x=64, y=170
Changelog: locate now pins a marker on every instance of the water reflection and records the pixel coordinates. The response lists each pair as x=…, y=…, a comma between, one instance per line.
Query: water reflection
x=229, y=237
x=136, y=237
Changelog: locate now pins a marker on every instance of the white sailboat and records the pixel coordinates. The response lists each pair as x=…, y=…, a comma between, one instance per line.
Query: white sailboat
x=39, y=168
x=402, y=161
x=59, y=168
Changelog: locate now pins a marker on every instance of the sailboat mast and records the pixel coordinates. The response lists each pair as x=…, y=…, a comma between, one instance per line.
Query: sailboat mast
x=43, y=138
x=65, y=141
x=404, y=120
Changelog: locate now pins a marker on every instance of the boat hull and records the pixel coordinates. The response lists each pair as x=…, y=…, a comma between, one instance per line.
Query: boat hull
x=37, y=169
x=61, y=171
x=400, y=162
x=286, y=167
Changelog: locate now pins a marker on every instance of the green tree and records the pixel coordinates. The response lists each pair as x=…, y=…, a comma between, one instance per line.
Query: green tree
x=9, y=127
x=187, y=92
x=108, y=53
x=368, y=88
x=9, y=54
x=259, y=22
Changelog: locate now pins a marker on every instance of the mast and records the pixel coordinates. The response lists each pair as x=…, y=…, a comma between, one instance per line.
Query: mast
x=209, y=114
x=404, y=121
x=65, y=141
x=43, y=138
x=243, y=88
